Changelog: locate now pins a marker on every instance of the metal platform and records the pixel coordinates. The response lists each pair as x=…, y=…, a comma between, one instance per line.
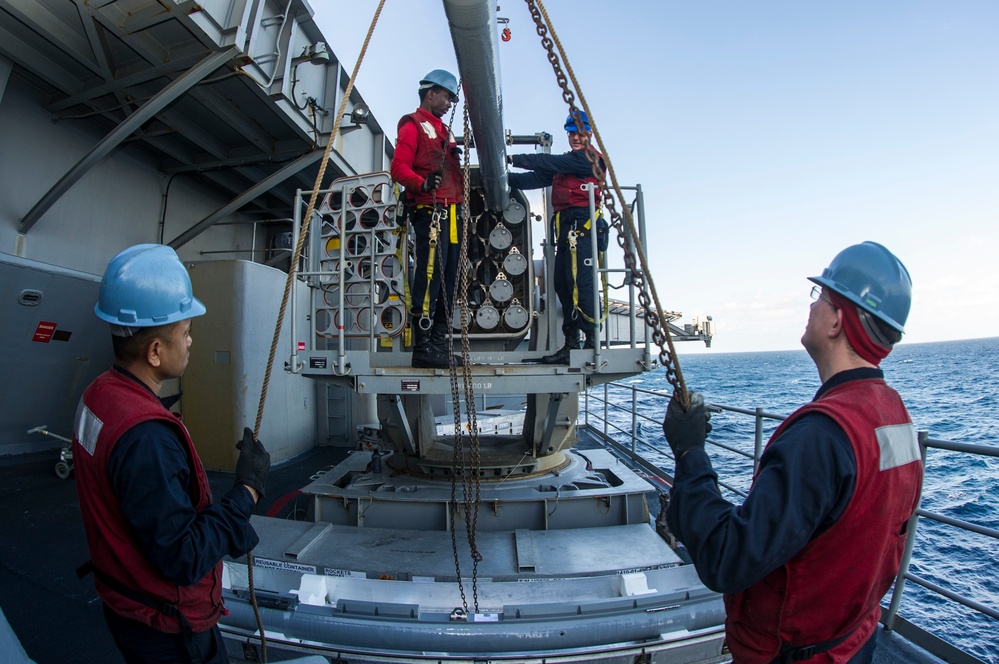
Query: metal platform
x=591, y=489
x=569, y=568
x=493, y=372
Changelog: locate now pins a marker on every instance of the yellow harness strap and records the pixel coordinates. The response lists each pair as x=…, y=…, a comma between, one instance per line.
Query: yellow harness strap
x=435, y=228
x=575, y=286
x=402, y=232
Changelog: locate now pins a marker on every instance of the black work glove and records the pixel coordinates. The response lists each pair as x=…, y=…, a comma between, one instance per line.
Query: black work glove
x=686, y=430
x=432, y=182
x=254, y=462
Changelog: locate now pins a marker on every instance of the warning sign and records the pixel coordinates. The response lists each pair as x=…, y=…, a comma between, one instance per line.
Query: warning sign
x=44, y=331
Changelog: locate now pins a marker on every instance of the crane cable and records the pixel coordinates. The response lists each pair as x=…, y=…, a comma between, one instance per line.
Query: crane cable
x=296, y=257
x=653, y=319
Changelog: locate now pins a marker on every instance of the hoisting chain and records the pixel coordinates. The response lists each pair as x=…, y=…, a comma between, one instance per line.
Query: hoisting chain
x=625, y=226
x=472, y=479
x=468, y=469
x=296, y=257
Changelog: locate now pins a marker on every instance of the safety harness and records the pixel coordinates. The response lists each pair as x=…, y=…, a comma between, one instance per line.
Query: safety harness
x=572, y=238
x=440, y=213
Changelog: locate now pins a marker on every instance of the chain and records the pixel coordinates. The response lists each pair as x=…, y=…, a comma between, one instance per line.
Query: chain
x=458, y=450
x=475, y=465
x=469, y=469
x=624, y=226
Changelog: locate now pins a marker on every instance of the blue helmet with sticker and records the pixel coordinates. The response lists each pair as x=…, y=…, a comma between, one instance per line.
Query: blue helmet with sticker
x=875, y=280
x=570, y=122
x=144, y=286
x=441, y=78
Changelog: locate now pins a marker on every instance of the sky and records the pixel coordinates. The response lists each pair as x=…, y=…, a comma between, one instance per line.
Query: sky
x=767, y=136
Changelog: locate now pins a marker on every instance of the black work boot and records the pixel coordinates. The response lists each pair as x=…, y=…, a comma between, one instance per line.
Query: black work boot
x=440, y=344
x=561, y=356
x=424, y=355
x=590, y=342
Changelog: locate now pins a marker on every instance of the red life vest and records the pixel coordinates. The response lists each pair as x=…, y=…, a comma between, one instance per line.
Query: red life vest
x=434, y=139
x=835, y=584
x=111, y=405
x=566, y=192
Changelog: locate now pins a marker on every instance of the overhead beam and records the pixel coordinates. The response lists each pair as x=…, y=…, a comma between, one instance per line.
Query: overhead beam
x=261, y=187
x=40, y=20
x=39, y=63
x=244, y=198
x=157, y=103
x=248, y=159
x=117, y=85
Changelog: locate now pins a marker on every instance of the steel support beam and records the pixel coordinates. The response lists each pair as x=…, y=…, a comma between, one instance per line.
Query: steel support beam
x=256, y=190
x=161, y=100
x=117, y=86
x=6, y=67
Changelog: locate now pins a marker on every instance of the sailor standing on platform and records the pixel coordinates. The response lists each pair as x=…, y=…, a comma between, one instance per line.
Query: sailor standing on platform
x=426, y=164
x=571, y=226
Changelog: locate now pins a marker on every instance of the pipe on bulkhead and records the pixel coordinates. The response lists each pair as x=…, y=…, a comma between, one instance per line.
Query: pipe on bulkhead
x=473, y=31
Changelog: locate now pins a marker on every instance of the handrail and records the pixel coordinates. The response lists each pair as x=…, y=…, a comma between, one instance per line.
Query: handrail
x=890, y=615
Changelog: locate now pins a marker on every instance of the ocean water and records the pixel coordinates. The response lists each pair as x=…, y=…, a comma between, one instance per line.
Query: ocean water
x=951, y=390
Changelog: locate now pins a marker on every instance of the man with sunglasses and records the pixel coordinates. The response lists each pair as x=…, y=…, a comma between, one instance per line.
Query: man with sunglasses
x=426, y=163
x=805, y=560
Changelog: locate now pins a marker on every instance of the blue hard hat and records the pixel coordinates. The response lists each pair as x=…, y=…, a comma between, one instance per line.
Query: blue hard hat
x=871, y=277
x=570, y=122
x=442, y=78
x=145, y=286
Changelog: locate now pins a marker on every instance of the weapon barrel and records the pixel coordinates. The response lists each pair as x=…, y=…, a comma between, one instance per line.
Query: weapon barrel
x=473, y=31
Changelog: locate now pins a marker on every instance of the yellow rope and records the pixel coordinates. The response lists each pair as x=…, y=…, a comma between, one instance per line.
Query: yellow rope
x=684, y=398
x=296, y=257
x=308, y=218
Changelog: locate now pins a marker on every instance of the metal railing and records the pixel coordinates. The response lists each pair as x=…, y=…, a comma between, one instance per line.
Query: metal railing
x=606, y=404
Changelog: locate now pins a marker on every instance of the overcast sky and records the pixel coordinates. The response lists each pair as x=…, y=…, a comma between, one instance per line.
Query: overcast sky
x=767, y=136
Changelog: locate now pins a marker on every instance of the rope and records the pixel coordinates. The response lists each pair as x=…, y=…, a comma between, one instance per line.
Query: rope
x=680, y=385
x=296, y=257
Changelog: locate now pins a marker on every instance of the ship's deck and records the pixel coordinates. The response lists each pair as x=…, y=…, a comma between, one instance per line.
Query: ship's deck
x=57, y=616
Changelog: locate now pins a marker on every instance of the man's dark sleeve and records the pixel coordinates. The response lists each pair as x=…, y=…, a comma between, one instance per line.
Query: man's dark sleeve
x=530, y=180
x=805, y=482
x=570, y=163
x=151, y=475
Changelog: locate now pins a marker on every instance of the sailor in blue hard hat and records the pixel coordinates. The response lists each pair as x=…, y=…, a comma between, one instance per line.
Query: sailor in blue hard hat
x=426, y=164
x=805, y=560
x=873, y=290
x=156, y=536
x=571, y=228
x=573, y=120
